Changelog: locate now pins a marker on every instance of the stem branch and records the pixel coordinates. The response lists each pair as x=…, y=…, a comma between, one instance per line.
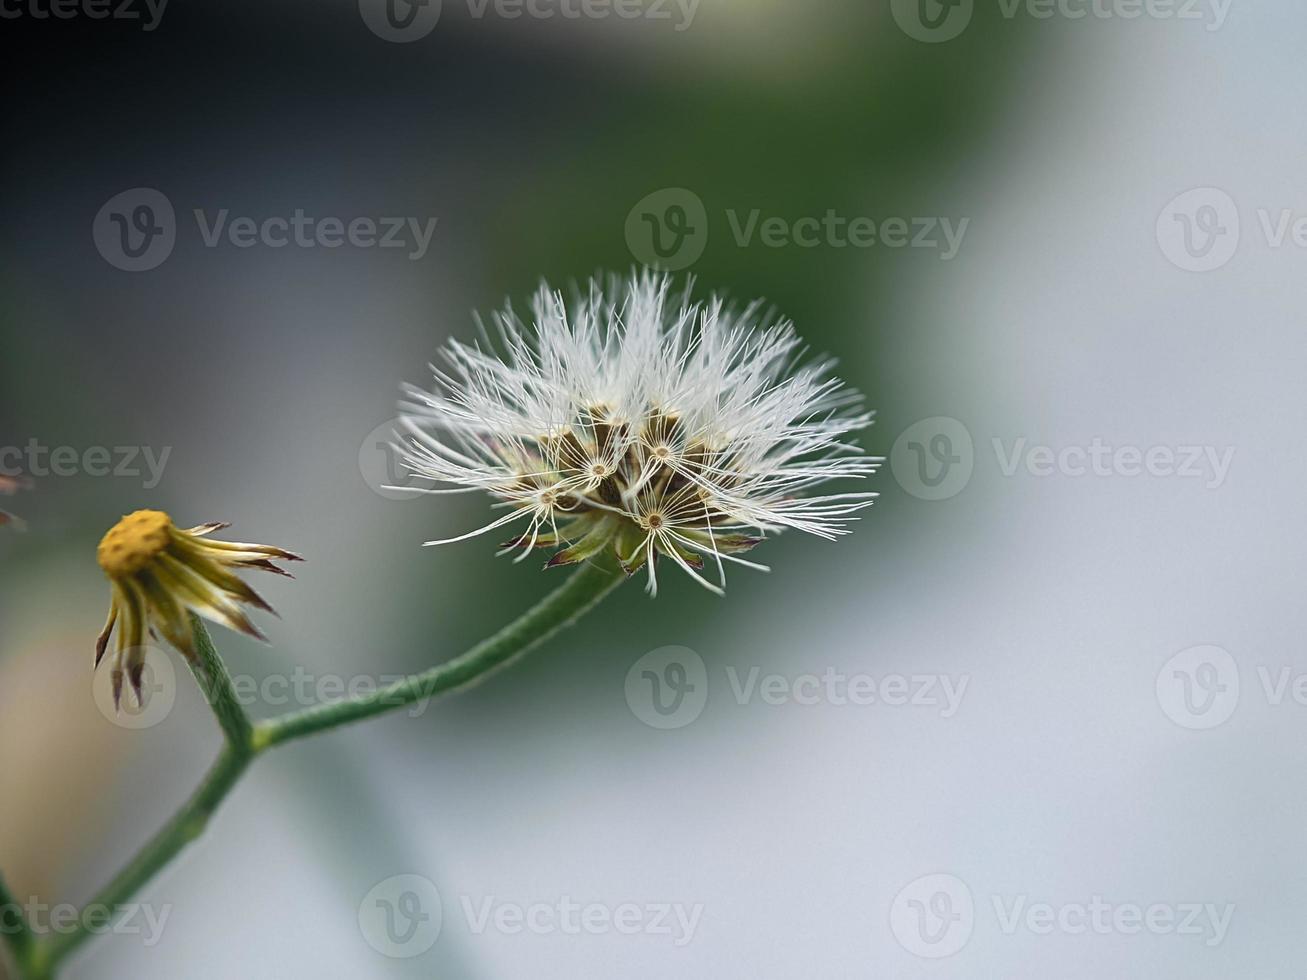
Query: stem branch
x=244, y=741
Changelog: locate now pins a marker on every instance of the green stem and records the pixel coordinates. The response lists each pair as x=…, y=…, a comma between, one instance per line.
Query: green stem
x=13, y=926
x=185, y=826
x=214, y=680
x=245, y=742
x=576, y=596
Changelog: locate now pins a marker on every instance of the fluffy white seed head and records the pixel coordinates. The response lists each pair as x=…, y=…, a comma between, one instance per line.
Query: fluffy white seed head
x=633, y=420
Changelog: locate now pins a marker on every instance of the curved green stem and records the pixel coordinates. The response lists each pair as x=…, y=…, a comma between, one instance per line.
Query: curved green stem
x=214, y=680
x=186, y=825
x=244, y=742
x=578, y=594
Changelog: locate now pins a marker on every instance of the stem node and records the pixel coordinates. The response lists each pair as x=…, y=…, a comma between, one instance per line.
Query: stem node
x=245, y=740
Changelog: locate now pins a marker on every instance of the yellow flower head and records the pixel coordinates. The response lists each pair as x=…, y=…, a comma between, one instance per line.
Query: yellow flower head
x=160, y=574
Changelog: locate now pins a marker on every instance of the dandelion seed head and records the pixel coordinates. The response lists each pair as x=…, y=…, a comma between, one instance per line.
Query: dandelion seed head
x=630, y=419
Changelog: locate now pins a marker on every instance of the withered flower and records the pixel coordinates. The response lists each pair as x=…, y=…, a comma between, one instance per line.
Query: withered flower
x=160, y=574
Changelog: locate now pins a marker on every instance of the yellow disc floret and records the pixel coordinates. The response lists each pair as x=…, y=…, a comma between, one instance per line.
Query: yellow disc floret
x=134, y=542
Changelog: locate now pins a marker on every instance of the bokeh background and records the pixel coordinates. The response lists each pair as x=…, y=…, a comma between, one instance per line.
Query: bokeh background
x=1071, y=769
